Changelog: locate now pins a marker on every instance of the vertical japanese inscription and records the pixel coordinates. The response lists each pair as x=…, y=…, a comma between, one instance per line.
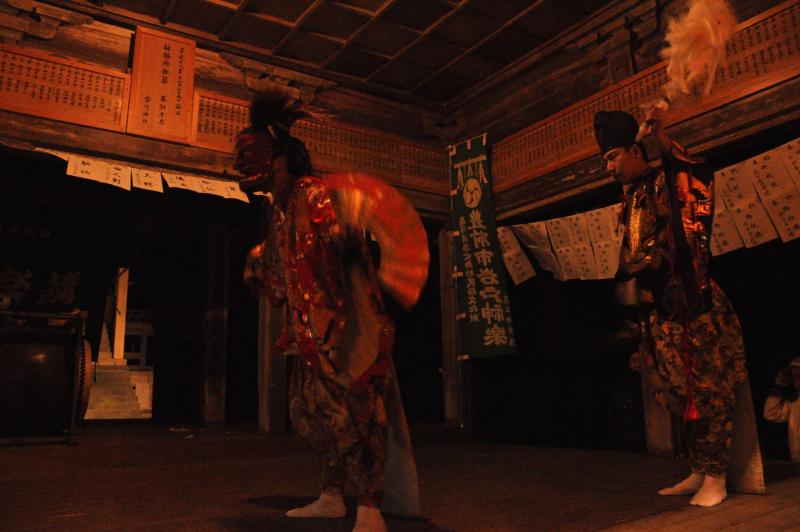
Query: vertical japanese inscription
x=483, y=310
x=38, y=84
x=217, y=120
x=162, y=80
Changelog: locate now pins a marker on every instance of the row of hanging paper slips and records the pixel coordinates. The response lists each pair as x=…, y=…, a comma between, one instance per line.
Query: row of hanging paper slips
x=123, y=176
x=756, y=200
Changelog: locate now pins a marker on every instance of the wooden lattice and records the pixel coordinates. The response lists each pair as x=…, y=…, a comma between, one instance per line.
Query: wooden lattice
x=216, y=120
x=764, y=51
x=333, y=148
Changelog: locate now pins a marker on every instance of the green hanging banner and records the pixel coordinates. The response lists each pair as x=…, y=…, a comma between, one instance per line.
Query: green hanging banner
x=483, y=313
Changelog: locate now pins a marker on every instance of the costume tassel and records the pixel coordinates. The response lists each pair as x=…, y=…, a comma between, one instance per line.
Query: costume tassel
x=690, y=413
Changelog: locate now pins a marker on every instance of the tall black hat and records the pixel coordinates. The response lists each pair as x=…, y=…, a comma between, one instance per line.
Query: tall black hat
x=614, y=128
x=274, y=111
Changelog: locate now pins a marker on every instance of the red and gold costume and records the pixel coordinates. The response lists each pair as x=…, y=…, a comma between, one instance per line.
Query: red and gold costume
x=337, y=326
x=695, y=355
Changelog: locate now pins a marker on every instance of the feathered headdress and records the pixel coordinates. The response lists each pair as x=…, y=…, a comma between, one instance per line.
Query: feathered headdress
x=697, y=45
x=274, y=111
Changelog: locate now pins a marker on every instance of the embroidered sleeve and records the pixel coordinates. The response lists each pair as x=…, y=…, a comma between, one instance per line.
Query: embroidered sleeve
x=320, y=211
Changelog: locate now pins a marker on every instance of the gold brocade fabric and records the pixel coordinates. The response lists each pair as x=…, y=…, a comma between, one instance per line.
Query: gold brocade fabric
x=310, y=266
x=648, y=247
x=694, y=359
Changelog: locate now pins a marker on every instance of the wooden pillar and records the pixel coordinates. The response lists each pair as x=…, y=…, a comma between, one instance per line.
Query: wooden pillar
x=272, y=381
x=120, y=317
x=215, y=325
x=450, y=372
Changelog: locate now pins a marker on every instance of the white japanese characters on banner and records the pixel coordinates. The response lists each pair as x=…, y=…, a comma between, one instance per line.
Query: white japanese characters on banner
x=484, y=325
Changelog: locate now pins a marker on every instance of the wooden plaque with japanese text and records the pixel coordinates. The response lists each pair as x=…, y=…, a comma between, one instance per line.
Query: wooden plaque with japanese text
x=40, y=84
x=162, y=86
x=217, y=120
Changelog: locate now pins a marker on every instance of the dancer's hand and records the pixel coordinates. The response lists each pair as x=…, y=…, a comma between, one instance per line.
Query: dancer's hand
x=254, y=270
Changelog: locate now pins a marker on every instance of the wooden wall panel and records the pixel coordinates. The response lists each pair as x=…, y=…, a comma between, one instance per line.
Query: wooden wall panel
x=216, y=120
x=40, y=84
x=333, y=147
x=765, y=51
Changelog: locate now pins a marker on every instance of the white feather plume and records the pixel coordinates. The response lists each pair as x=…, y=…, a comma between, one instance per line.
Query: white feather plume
x=697, y=45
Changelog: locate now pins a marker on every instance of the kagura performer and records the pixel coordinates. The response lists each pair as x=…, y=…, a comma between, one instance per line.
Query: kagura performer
x=314, y=265
x=691, y=343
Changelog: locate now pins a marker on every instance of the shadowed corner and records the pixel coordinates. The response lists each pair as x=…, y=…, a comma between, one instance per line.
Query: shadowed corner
x=283, y=503
x=778, y=471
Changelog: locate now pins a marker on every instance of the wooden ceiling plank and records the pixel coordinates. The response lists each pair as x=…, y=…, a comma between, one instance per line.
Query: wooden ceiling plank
x=166, y=14
x=480, y=43
x=358, y=33
x=462, y=5
x=354, y=9
x=606, y=21
x=337, y=40
x=211, y=42
x=233, y=19
x=298, y=23
x=270, y=18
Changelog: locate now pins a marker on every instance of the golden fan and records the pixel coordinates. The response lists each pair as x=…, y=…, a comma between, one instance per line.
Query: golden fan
x=367, y=203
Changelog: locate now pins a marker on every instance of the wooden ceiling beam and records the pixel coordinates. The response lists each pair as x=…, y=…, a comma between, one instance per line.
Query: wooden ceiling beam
x=166, y=14
x=480, y=43
x=354, y=9
x=130, y=19
x=270, y=18
x=463, y=4
x=337, y=40
x=360, y=31
x=241, y=11
x=606, y=20
x=298, y=23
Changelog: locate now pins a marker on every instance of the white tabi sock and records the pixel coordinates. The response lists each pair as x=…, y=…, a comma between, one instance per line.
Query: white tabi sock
x=369, y=519
x=328, y=505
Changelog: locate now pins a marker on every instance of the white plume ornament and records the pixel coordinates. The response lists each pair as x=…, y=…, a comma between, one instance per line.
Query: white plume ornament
x=697, y=45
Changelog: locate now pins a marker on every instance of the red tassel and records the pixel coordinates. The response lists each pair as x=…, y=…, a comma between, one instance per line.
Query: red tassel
x=690, y=413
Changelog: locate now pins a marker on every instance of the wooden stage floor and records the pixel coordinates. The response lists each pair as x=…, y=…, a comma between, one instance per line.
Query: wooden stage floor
x=147, y=477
